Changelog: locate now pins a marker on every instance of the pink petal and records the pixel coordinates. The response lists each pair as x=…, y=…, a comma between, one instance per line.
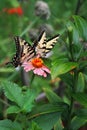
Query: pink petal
x=25, y=63
x=28, y=66
x=46, y=69
x=38, y=71
x=44, y=74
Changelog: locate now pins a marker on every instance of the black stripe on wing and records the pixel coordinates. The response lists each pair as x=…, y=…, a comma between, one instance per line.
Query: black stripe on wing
x=44, y=46
x=51, y=42
x=41, y=39
x=17, y=45
x=23, y=49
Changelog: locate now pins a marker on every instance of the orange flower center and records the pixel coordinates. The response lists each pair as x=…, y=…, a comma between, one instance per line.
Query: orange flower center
x=37, y=62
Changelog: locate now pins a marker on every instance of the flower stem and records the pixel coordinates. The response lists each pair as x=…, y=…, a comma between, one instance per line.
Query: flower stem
x=78, y=6
x=28, y=27
x=32, y=78
x=4, y=102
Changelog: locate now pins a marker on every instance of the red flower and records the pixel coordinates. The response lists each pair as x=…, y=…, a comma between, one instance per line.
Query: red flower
x=16, y=10
x=19, y=10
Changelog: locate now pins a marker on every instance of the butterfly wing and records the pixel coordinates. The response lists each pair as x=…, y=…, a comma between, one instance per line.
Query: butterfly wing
x=39, y=44
x=44, y=46
x=24, y=51
x=50, y=44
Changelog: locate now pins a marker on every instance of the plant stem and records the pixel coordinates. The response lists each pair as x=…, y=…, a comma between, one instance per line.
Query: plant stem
x=70, y=112
x=79, y=4
x=4, y=102
x=29, y=27
x=32, y=78
x=12, y=76
x=71, y=52
x=71, y=46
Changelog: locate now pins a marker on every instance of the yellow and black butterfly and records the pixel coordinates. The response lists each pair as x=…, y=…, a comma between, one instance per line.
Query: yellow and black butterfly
x=25, y=52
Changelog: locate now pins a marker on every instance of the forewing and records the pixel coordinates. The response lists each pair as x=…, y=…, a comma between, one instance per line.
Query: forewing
x=24, y=51
x=22, y=46
x=40, y=45
x=50, y=44
x=44, y=46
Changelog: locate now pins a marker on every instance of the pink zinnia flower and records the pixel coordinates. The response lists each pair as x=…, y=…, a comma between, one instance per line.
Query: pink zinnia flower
x=38, y=67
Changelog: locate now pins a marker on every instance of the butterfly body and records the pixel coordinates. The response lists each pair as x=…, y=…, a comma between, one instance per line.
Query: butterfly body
x=25, y=52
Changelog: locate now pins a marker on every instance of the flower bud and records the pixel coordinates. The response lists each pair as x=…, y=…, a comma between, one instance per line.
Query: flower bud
x=33, y=34
x=42, y=9
x=47, y=28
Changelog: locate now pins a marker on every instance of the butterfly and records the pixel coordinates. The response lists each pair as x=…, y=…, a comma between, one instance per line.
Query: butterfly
x=25, y=51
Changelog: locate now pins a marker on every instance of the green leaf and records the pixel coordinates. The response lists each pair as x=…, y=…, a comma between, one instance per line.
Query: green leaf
x=9, y=125
x=77, y=122
x=73, y=33
x=59, y=125
x=48, y=108
x=13, y=109
x=82, y=113
x=28, y=100
x=34, y=126
x=52, y=97
x=67, y=78
x=81, y=83
x=81, y=98
x=81, y=25
x=47, y=121
x=61, y=68
x=83, y=64
x=13, y=92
